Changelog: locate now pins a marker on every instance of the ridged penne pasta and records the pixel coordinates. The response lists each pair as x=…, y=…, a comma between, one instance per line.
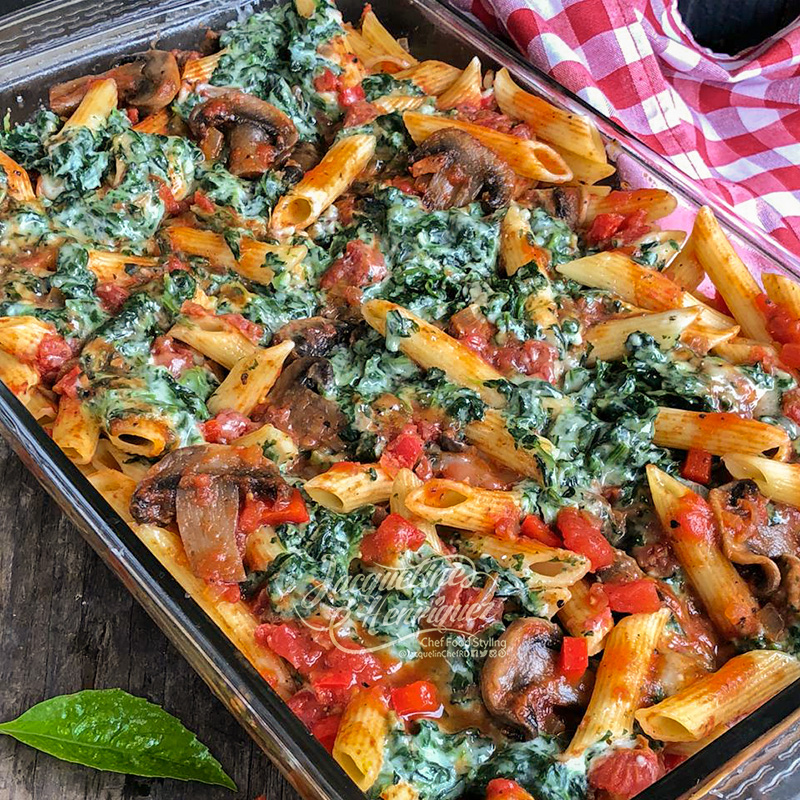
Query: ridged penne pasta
x=657, y=203
x=110, y=266
x=729, y=274
x=540, y=565
x=621, y=681
x=275, y=444
x=117, y=490
x=108, y=456
x=433, y=77
x=320, y=186
x=398, y=102
x=685, y=269
x=347, y=486
x=775, y=479
x=21, y=336
x=381, y=40
x=567, y=130
x=404, y=482
x=359, y=743
x=607, y=339
x=20, y=378
x=583, y=618
x=585, y=172
x=400, y=791
x=745, y=351
x=214, y=339
x=98, y=102
x=236, y=620
x=206, y=244
x=250, y=379
x=526, y=157
x=491, y=436
x=726, y=597
x=200, y=70
x=719, y=433
x=431, y=347
x=76, y=430
x=42, y=407
x=783, y=290
x=465, y=89
x=740, y=686
x=18, y=183
x=155, y=123
x=253, y=254
x=140, y=435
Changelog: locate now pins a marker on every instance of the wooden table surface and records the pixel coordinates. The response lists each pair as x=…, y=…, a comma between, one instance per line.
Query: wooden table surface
x=67, y=624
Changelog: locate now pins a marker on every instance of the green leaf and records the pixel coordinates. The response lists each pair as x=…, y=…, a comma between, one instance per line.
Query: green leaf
x=111, y=730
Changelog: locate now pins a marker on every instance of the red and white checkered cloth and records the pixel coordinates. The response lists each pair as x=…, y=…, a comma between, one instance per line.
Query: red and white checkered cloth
x=732, y=122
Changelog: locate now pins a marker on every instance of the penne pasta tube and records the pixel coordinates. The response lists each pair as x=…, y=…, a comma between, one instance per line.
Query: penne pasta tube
x=371, y=58
x=465, y=89
x=382, y=41
x=140, y=435
x=17, y=180
x=253, y=254
x=398, y=102
x=275, y=444
x=262, y=548
x=582, y=617
x=433, y=77
x=729, y=274
x=110, y=267
x=718, y=433
x=726, y=597
x=20, y=378
x=775, y=479
x=98, y=102
x=656, y=203
x=621, y=681
x=685, y=269
x=359, y=743
x=607, y=339
x=156, y=123
x=528, y=158
x=206, y=244
x=491, y=436
x=739, y=687
x=347, y=486
x=540, y=565
x=323, y=184
x=585, y=172
x=568, y=130
x=305, y=8
x=703, y=338
x=431, y=347
x=214, y=339
x=236, y=620
x=783, y=290
x=459, y=505
x=200, y=70
x=21, y=336
x=404, y=482
x=107, y=456
x=76, y=430
x=400, y=791
x=745, y=351
x=250, y=379
x=117, y=490
x=42, y=407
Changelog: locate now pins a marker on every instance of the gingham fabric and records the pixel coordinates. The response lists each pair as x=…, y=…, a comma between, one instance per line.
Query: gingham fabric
x=732, y=122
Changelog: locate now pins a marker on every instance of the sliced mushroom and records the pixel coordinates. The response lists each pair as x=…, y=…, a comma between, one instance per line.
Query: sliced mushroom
x=258, y=134
x=148, y=82
x=304, y=157
x=315, y=336
x=461, y=169
x=520, y=681
x=201, y=487
x=567, y=203
x=295, y=405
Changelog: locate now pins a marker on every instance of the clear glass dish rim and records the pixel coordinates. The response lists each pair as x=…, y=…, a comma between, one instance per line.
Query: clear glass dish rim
x=259, y=709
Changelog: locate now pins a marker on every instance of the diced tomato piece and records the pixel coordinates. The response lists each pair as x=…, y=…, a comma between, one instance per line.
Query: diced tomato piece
x=172, y=354
x=468, y=609
x=625, y=228
x=403, y=451
x=635, y=597
x=781, y=324
x=790, y=355
x=535, y=528
x=418, y=699
x=68, y=385
x=505, y=789
x=695, y=519
x=790, y=404
x=624, y=773
x=53, y=352
x=531, y=357
x=350, y=95
x=573, y=660
x=360, y=265
x=326, y=81
x=326, y=729
x=226, y=427
x=506, y=521
x=359, y=113
x=345, y=466
x=226, y=592
x=306, y=707
x=132, y=114
x=256, y=512
x=717, y=302
x=292, y=643
x=341, y=670
x=697, y=466
x=175, y=263
x=252, y=330
x=672, y=760
x=202, y=201
x=582, y=532
x=112, y=296
x=170, y=203
x=394, y=535
x=603, y=227
x=634, y=227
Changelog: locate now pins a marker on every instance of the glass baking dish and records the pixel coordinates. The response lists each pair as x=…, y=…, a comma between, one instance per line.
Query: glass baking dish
x=60, y=39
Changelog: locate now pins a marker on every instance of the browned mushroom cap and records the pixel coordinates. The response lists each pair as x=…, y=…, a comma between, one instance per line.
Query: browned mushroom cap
x=520, y=681
x=314, y=336
x=258, y=134
x=461, y=170
x=295, y=405
x=148, y=82
x=567, y=203
x=244, y=467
